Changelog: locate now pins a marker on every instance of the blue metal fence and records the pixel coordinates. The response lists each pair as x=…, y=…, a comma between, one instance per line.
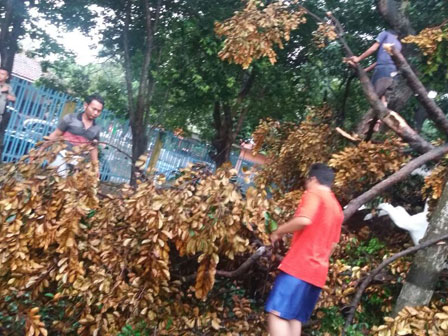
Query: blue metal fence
x=37, y=110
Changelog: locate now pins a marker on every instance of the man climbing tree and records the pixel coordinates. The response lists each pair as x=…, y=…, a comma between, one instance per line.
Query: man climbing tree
x=384, y=73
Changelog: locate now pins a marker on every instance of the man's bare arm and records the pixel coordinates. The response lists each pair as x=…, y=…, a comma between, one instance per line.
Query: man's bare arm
x=293, y=225
x=55, y=135
x=370, y=67
x=367, y=53
x=94, y=155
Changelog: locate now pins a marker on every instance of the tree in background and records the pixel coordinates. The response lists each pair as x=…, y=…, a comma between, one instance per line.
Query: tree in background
x=17, y=23
x=106, y=78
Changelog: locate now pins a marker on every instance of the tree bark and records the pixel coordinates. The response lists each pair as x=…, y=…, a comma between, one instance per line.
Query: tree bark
x=394, y=12
x=435, y=113
x=139, y=105
x=427, y=265
x=223, y=121
x=11, y=30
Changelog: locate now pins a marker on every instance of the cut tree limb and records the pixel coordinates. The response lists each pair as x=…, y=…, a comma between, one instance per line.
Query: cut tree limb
x=245, y=265
x=398, y=176
x=372, y=275
x=240, y=270
x=435, y=113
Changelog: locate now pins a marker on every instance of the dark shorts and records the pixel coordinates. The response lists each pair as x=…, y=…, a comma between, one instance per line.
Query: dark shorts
x=383, y=79
x=292, y=298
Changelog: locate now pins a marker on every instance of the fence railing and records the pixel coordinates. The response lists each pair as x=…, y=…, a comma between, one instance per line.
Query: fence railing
x=37, y=110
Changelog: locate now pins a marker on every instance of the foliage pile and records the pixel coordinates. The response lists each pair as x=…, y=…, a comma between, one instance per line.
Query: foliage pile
x=73, y=262
x=419, y=321
x=292, y=149
x=110, y=260
x=360, y=167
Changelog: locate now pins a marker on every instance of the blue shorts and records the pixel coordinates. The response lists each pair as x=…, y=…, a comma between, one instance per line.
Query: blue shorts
x=292, y=298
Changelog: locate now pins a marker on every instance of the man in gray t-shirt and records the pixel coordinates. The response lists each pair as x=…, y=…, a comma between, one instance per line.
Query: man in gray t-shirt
x=384, y=66
x=79, y=129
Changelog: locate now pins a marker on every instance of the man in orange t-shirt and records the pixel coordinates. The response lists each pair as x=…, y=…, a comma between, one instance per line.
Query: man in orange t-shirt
x=317, y=228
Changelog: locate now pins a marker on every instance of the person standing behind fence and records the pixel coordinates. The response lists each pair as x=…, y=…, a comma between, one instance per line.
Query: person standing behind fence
x=78, y=129
x=6, y=95
x=317, y=228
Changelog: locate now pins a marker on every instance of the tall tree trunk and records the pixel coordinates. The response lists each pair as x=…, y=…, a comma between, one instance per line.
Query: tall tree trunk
x=223, y=124
x=394, y=12
x=138, y=106
x=427, y=265
x=11, y=30
x=139, y=144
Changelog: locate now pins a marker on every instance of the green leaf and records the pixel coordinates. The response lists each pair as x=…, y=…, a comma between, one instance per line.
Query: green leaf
x=169, y=323
x=10, y=218
x=269, y=223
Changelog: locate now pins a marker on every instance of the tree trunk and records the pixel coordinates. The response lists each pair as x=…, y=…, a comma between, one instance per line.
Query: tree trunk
x=139, y=144
x=138, y=106
x=394, y=12
x=223, y=124
x=11, y=30
x=425, y=270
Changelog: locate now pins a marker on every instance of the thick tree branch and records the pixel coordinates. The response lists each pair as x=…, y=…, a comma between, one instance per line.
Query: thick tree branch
x=6, y=22
x=11, y=30
x=240, y=270
x=398, y=176
x=434, y=111
x=386, y=262
x=247, y=85
x=245, y=265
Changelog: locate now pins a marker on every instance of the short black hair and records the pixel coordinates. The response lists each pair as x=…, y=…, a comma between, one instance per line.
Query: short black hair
x=4, y=69
x=322, y=173
x=96, y=97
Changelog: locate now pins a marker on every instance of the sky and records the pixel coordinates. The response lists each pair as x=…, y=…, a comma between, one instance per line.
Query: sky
x=85, y=48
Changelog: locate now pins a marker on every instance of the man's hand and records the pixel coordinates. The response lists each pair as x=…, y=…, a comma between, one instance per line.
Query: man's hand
x=275, y=237
x=354, y=59
x=11, y=98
